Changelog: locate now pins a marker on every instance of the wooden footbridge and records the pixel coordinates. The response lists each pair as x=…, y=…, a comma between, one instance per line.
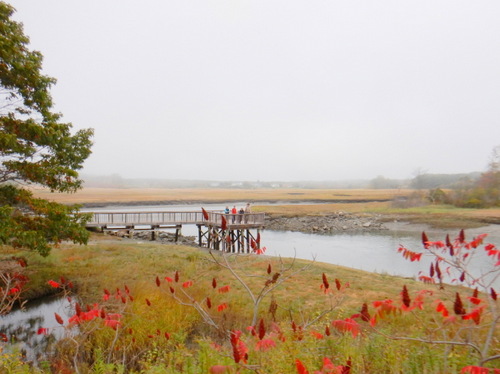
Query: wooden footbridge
x=216, y=230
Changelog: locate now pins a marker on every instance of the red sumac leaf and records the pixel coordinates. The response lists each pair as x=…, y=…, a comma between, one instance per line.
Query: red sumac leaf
x=461, y=236
x=441, y=308
x=78, y=309
x=262, y=329
x=269, y=269
x=253, y=244
x=493, y=294
x=365, y=315
x=458, y=306
x=405, y=297
x=59, y=319
x=223, y=224
x=214, y=283
x=224, y=289
x=327, y=331
x=438, y=270
x=218, y=369
x=205, y=214
x=425, y=240
x=222, y=307
x=475, y=294
x=301, y=369
x=43, y=331
x=53, y=284
x=158, y=282
x=325, y=282
x=449, y=245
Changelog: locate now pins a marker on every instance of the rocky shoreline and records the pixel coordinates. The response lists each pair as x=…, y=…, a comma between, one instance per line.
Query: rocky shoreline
x=325, y=224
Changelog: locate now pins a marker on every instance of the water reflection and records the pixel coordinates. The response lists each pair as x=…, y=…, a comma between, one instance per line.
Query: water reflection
x=22, y=327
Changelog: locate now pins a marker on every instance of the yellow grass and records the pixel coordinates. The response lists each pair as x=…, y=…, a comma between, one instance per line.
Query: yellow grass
x=321, y=209
x=115, y=195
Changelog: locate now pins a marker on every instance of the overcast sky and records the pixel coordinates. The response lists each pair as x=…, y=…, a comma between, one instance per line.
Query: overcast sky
x=275, y=90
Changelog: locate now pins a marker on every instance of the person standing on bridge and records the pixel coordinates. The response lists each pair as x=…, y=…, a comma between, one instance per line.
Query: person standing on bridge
x=248, y=210
x=241, y=214
x=234, y=212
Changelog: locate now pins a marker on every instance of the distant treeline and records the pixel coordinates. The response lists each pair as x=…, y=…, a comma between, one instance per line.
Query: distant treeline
x=423, y=181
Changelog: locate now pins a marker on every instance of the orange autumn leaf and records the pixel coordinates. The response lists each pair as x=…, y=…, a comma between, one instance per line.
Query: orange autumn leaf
x=347, y=325
x=218, y=369
x=265, y=345
x=187, y=284
x=54, y=284
x=224, y=289
x=301, y=369
x=222, y=307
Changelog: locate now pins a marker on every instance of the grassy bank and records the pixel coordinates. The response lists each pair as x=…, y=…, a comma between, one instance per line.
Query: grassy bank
x=158, y=334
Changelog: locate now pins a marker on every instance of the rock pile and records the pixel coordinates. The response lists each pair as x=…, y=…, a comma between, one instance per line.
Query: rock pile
x=326, y=224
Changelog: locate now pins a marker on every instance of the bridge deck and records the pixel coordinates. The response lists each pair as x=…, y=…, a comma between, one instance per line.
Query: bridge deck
x=158, y=219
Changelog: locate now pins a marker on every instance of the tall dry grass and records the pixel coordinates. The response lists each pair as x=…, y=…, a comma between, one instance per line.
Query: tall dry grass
x=109, y=195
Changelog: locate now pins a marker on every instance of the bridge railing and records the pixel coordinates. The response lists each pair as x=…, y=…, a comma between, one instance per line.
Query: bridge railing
x=144, y=218
x=170, y=218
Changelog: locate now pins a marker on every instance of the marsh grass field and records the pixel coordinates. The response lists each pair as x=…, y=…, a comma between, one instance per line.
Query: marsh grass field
x=112, y=264
x=119, y=195
x=401, y=204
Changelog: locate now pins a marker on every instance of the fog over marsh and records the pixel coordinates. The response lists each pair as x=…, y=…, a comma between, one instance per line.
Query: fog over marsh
x=275, y=90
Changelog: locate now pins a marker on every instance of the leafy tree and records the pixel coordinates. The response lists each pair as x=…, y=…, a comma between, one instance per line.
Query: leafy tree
x=35, y=148
x=485, y=192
